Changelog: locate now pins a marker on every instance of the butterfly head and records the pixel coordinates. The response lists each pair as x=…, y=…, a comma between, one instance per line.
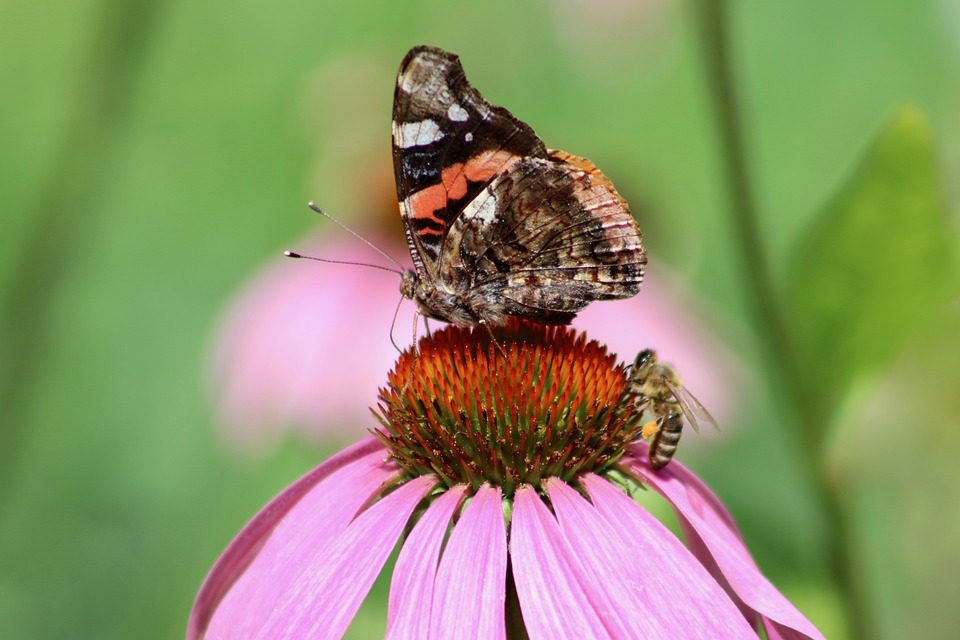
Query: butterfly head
x=408, y=284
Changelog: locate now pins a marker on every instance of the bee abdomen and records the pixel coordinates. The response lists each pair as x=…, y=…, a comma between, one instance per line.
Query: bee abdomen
x=665, y=441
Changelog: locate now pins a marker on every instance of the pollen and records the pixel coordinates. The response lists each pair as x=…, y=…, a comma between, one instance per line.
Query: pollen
x=517, y=405
x=648, y=429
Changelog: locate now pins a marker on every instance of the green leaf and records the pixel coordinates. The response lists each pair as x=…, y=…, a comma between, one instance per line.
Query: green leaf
x=875, y=265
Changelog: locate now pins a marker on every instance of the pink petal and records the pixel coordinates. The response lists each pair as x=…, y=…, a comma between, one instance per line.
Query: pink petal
x=411, y=590
x=337, y=477
x=553, y=603
x=642, y=600
x=705, y=518
x=470, y=591
x=280, y=349
x=696, y=600
x=597, y=564
x=318, y=597
x=305, y=527
x=682, y=329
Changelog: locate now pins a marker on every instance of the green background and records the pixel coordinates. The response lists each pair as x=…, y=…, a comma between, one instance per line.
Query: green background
x=156, y=152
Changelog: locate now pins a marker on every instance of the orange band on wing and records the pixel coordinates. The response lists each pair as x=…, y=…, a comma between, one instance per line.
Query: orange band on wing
x=484, y=166
x=596, y=175
x=425, y=203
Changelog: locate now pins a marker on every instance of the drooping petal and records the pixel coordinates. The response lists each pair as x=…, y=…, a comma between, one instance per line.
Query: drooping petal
x=703, y=516
x=470, y=591
x=668, y=566
x=553, y=603
x=317, y=596
x=640, y=599
x=411, y=590
x=342, y=494
x=309, y=526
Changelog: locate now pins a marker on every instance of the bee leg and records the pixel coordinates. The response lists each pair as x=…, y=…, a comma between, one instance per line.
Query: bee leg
x=649, y=429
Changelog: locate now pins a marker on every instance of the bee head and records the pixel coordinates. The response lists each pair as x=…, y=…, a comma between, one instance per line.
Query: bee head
x=644, y=358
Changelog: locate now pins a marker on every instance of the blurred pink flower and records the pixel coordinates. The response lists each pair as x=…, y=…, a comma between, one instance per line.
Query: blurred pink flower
x=280, y=348
x=594, y=567
x=305, y=345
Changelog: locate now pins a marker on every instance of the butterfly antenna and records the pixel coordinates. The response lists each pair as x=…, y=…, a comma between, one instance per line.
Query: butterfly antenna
x=294, y=254
x=393, y=323
x=313, y=205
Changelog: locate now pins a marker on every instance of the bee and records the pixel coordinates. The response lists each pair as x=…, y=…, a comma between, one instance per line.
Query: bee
x=663, y=403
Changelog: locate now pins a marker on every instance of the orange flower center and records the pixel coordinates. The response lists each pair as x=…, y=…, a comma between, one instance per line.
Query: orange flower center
x=536, y=402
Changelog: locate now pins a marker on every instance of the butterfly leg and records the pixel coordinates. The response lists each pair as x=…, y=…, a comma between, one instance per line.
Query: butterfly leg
x=416, y=323
x=493, y=338
x=415, y=348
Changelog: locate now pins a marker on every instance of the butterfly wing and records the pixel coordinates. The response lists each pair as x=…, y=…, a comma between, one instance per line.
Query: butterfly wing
x=448, y=144
x=547, y=237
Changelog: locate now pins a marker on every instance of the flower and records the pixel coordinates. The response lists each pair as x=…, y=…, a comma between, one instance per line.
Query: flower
x=506, y=457
x=272, y=363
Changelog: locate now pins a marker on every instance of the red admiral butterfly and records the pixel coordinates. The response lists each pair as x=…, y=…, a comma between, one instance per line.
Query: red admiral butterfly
x=497, y=224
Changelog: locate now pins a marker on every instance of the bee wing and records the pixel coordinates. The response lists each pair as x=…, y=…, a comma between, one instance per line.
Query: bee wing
x=693, y=409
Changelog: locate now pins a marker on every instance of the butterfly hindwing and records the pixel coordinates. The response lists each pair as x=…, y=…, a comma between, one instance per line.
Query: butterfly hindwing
x=546, y=237
x=448, y=144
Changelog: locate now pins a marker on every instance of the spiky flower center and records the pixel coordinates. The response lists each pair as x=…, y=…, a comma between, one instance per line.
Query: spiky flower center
x=533, y=403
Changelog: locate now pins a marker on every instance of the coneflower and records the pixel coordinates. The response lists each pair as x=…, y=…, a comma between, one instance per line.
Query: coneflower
x=504, y=464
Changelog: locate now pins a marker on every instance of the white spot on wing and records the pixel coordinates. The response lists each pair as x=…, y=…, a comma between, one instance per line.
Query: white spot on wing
x=416, y=134
x=483, y=209
x=468, y=137
x=457, y=113
x=405, y=82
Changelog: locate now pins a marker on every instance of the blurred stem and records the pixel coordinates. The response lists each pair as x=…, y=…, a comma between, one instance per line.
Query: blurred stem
x=766, y=307
x=515, y=627
x=63, y=215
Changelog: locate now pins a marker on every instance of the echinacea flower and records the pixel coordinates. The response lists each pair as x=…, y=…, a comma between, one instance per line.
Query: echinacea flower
x=503, y=465
x=276, y=348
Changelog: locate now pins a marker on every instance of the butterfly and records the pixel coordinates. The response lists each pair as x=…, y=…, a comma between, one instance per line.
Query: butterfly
x=497, y=224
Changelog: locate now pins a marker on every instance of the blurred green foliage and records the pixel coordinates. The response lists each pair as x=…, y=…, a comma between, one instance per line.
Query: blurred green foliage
x=877, y=265
x=155, y=152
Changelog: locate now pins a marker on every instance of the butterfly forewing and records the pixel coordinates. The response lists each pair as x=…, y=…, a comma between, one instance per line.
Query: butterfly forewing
x=448, y=144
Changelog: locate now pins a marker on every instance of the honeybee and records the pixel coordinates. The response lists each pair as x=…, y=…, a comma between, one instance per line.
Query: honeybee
x=663, y=403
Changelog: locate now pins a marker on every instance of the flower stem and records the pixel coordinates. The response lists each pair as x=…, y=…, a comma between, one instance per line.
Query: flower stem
x=515, y=628
x=766, y=307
